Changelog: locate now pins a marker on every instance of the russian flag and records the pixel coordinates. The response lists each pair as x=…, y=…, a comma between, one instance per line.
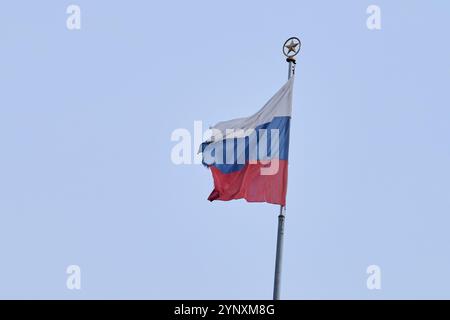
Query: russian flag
x=248, y=157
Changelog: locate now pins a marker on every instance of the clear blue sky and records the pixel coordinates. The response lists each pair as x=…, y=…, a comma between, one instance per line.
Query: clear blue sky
x=85, y=170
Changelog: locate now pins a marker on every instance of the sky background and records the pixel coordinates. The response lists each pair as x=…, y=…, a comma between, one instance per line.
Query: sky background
x=86, y=176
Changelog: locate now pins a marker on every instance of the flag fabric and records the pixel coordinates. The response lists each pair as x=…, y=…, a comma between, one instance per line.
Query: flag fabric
x=248, y=157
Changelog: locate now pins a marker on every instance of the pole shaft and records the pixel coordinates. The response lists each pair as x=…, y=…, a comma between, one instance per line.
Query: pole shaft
x=290, y=69
x=279, y=255
x=280, y=236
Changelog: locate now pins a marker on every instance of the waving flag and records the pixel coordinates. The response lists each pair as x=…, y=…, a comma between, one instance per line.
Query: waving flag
x=248, y=157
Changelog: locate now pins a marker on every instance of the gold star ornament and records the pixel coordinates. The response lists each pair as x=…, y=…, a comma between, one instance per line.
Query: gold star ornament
x=291, y=47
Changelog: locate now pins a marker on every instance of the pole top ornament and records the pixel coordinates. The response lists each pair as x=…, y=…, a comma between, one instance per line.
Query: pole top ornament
x=291, y=48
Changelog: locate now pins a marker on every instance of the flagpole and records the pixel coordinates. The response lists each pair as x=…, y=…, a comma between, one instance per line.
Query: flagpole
x=294, y=47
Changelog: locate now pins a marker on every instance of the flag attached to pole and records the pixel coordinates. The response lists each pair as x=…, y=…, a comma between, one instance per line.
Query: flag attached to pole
x=248, y=157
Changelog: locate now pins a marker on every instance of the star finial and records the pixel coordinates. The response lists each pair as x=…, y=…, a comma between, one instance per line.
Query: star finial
x=291, y=46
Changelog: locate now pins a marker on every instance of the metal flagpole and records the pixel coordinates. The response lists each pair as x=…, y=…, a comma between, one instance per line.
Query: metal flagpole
x=290, y=48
